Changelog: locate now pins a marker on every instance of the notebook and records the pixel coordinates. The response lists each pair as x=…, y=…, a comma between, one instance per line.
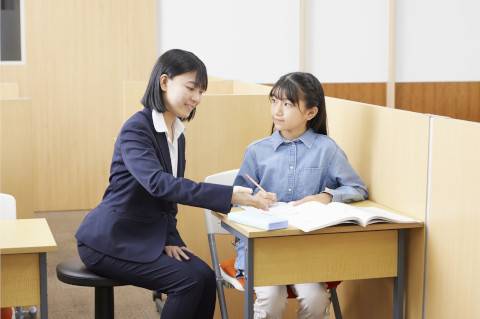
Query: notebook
x=257, y=218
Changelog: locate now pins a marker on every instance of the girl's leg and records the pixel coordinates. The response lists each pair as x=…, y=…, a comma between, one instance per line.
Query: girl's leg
x=313, y=300
x=270, y=302
x=189, y=285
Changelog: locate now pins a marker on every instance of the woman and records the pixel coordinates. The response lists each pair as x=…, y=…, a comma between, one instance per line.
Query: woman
x=131, y=236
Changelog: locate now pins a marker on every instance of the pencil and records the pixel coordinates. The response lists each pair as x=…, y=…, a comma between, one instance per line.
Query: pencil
x=255, y=183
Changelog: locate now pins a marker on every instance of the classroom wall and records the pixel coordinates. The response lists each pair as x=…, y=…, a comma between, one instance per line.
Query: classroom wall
x=78, y=56
x=345, y=44
x=16, y=144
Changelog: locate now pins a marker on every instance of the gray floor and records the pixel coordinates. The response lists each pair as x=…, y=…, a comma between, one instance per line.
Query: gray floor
x=72, y=302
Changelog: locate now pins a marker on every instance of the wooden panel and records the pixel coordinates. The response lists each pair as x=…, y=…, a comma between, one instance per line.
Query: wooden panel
x=250, y=88
x=8, y=91
x=373, y=93
x=132, y=95
x=453, y=256
x=460, y=100
x=20, y=280
x=16, y=153
x=74, y=75
x=389, y=149
x=348, y=256
x=220, y=87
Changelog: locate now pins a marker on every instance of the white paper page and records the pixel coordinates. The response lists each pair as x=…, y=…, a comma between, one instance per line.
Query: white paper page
x=378, y=213
x=315, y=215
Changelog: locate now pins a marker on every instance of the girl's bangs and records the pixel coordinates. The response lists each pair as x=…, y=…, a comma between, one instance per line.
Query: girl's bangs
x=285, y=90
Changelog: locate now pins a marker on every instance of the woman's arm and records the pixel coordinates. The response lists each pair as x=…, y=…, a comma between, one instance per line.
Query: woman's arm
x=139, y=155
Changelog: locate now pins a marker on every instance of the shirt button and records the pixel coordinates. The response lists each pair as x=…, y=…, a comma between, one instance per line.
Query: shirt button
x=291, y=167
x=289, y=189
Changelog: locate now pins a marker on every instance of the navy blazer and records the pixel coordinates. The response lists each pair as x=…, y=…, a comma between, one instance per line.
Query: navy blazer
x=136, y=217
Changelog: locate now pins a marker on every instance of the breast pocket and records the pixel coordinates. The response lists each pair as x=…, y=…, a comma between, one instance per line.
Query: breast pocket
x=309, y=181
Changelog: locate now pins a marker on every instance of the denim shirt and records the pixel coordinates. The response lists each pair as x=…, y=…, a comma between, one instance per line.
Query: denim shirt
x=308, y=165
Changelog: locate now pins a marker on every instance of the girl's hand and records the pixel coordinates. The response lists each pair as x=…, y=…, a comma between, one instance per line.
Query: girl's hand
x=262, y=200
x=177, y=252
x=324, y=198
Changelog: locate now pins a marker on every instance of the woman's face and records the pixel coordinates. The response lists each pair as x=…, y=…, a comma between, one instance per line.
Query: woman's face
x=181, y=93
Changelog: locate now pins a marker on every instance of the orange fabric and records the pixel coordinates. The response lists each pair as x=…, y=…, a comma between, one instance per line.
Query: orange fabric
x=6, y=313
x=228, y=266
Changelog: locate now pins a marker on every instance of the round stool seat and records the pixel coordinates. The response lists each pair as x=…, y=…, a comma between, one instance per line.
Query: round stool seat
x=74, y=272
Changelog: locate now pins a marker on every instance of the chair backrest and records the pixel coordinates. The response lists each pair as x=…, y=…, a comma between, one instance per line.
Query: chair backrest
x=223, y=178
x=8, y=207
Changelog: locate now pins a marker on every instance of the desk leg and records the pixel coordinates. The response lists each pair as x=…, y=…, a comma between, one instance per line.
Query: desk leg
x=248, y=301
x=399, y=282
x=43, y=286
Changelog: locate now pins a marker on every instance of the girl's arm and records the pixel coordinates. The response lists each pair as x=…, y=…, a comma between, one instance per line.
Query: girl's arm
x=343, y=183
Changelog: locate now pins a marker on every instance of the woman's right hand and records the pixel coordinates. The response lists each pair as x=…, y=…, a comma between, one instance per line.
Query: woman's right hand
x=262, y=200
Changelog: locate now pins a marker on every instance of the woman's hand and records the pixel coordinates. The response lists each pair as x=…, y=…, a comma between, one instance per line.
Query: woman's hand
x=324, y=198
x=177, y=252
x=243, y=196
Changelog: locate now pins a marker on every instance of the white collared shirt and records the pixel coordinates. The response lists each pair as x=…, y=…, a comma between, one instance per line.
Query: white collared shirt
x=178, y=129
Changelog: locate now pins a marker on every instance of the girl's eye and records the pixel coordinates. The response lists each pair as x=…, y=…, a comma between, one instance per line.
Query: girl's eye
x=273, y=100
x=287, y=104
x=190, y=88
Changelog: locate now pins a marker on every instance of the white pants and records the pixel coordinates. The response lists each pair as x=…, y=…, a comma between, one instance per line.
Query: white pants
x=271, y=301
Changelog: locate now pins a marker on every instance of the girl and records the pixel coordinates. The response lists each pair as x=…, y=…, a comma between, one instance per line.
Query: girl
x=131, y=236
x=298, y=163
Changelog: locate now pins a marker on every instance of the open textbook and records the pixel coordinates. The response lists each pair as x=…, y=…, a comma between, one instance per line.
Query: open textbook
x=313, y=215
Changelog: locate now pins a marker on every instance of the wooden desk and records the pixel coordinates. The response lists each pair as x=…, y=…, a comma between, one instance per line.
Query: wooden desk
x=345, y=252
x=23, y=262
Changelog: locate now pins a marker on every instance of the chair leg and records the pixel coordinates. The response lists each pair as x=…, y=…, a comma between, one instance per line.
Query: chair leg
x=221, y=294
x=335, y=303
x=104, y=305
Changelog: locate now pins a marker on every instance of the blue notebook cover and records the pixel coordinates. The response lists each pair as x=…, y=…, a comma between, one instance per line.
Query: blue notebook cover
x=258, y=220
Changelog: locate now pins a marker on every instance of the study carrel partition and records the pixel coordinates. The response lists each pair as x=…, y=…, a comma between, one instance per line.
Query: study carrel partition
x=389, y=150
x=453, y=255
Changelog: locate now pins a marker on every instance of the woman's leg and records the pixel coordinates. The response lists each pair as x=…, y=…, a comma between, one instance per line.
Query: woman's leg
x=313, y=300
x=189, y=284
x=270, y=302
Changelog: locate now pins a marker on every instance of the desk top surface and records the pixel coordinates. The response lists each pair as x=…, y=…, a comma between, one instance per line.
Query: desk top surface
x=22, y=236
x=252, y=232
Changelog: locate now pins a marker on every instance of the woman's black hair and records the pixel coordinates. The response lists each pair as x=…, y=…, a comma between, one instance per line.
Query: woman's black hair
x=172, y=63
x=298, y=86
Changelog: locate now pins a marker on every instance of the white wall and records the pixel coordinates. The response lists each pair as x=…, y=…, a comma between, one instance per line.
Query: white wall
x=438, y=40
x=345, y=40
x=249, y=40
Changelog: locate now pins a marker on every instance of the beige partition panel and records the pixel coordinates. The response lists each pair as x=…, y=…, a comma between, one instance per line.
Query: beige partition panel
x=16, y=153
x=389, y=149
x=453, y=253
x=78, y=55
x=8, y=90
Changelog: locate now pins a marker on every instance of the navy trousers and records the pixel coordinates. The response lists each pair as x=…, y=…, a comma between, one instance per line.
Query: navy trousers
x=189, y=284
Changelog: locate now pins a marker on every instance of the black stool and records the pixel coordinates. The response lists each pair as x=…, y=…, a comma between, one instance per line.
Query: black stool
x=73, y=272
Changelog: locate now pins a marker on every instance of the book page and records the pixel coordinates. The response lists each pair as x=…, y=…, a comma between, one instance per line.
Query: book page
x=378, y=215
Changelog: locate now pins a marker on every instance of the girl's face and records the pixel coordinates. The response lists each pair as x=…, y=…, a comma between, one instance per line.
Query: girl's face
x=290, y=119
x=181, y=93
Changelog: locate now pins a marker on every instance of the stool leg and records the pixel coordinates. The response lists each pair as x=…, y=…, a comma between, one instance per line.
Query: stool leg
x=104, y=303
x=335, y=303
